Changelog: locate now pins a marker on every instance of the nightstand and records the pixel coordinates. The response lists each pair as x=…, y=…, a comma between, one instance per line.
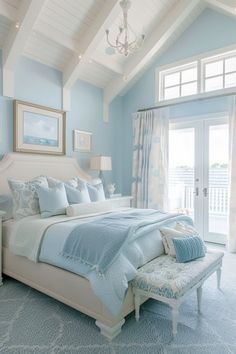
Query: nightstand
x=121, y=202
x=1, y=216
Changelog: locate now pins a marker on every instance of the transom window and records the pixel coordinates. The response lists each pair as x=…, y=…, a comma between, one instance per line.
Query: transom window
x=180, y=81
x=203, y=75
x=219, y=73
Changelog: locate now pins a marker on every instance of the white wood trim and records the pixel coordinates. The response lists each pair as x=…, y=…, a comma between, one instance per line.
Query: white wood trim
x=15, y=42
x=26, y=166
x=109, y=63
x=8, y=11
x=161, y=34
x=90, y=41
x=222, y=7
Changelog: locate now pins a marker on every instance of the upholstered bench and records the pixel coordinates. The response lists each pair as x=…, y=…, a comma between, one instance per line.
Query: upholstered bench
x=166, y=280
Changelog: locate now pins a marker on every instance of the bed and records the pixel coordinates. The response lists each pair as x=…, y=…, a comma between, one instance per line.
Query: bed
x=63, y=285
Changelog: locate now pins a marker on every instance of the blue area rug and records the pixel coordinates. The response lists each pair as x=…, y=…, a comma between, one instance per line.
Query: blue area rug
x=33, y=323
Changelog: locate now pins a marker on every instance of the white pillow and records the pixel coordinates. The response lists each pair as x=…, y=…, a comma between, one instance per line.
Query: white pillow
x=89, y=208
x=179, y=231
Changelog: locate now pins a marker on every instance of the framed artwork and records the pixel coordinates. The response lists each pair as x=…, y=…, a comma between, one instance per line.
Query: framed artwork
x=38, y=129
x=82, y=141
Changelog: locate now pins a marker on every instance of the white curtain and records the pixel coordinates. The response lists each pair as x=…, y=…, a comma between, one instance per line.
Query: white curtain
x=150, y=159
x=232, y=171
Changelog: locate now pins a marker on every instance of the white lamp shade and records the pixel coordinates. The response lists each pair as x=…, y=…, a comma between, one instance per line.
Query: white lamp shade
x=100, y=163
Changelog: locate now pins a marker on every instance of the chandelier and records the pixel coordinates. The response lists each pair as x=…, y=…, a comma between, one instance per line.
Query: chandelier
x=126, y=41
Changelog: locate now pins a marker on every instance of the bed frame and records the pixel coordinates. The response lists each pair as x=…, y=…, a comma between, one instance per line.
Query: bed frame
x=60, y=284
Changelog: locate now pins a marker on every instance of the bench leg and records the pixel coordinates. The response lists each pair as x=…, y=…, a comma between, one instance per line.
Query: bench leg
x=199, y=298
x=218, y=272
x=175, y=315
x=137, y=306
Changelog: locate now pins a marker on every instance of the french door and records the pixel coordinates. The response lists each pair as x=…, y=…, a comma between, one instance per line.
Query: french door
x=198, y=174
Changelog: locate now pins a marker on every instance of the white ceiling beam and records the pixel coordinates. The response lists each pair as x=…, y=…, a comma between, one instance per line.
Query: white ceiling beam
x=90, y=41
x=152, y=45
x=8, y=11
x=67, y=42
x=15, y=42
x=222, y=7
x=108, y=62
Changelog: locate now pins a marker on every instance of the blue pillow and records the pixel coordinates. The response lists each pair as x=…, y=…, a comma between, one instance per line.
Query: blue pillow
x=77, y=196
x=6, y=205
x=96, y=192
x=52, y=201
x=188, y=248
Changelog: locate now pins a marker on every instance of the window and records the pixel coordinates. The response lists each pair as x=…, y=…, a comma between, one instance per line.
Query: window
x=179, y=81
x=203, y=75
x=219, y=72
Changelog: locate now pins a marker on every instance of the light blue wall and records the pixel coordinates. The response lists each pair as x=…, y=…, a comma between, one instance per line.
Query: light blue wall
x=210, y=31
x=40, y=84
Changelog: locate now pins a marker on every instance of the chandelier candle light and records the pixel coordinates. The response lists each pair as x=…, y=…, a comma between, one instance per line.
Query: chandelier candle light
x=126, y=41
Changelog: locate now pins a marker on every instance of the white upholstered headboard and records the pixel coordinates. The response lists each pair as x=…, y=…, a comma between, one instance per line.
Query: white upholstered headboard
x=27, y=166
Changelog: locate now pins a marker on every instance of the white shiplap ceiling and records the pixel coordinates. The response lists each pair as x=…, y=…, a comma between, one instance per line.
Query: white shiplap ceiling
x=57, y=36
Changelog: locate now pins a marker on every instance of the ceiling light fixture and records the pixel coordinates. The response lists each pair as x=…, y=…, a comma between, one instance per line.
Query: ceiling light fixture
x=126, y=41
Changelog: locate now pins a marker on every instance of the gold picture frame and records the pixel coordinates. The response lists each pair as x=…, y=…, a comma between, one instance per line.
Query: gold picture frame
x=39, y=129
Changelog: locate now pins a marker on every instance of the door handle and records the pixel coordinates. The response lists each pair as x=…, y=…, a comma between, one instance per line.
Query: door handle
x=205, y=192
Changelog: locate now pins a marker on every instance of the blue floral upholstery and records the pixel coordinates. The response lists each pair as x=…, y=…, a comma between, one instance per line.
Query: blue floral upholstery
x=165, y=277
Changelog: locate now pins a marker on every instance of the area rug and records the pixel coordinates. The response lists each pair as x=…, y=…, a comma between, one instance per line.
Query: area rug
x=33, y=323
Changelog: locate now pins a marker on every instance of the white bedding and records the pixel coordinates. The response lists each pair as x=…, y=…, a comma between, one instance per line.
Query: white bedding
x=7, y=231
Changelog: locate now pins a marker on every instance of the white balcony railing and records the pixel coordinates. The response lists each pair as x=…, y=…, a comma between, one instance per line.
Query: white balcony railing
x=184, y=198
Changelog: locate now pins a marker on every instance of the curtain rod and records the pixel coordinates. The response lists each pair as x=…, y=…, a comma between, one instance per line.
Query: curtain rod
x=187, y=101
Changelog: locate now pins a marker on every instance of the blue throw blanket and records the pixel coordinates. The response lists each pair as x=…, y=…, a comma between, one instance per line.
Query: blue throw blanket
x=100, y=242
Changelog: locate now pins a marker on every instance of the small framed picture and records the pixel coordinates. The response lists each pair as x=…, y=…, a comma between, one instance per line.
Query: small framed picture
x=38, y=129
x=82, y=141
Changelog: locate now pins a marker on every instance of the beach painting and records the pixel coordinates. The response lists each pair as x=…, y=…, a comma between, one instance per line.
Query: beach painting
x=40, y=129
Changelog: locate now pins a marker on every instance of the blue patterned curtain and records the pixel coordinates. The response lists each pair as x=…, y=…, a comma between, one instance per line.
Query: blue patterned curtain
x=150, y=159
x=232, y=173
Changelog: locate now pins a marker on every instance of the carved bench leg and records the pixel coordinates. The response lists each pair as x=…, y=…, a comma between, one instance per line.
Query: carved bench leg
x=199, y=298
x=218, y=272
x=137, y=306
x=175, y=315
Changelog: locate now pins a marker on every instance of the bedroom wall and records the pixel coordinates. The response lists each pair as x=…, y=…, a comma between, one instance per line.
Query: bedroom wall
x=38, y=83
x=210, y=31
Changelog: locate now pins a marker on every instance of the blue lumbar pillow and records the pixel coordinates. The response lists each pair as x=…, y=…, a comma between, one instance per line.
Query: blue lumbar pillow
x=188, y=248
x=52, y=201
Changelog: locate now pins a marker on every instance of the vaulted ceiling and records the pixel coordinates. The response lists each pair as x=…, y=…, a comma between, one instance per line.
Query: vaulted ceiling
x=69, y=35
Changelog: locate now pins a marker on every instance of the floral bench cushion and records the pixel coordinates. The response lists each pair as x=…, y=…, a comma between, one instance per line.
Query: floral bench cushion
x=165, y=277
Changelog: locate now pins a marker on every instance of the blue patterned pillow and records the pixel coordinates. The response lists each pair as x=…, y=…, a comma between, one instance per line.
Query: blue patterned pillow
x=188, y=248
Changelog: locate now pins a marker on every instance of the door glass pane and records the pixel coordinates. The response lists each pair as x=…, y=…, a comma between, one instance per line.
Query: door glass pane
x=218, y=182
x=214, y=83
x=181, y=170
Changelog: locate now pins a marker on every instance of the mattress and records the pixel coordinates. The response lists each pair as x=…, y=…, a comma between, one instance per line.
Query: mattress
x=7, y=228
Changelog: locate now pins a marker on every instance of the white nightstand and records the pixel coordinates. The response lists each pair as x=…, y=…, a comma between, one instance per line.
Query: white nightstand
x=121, y=202
x=1, y=215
